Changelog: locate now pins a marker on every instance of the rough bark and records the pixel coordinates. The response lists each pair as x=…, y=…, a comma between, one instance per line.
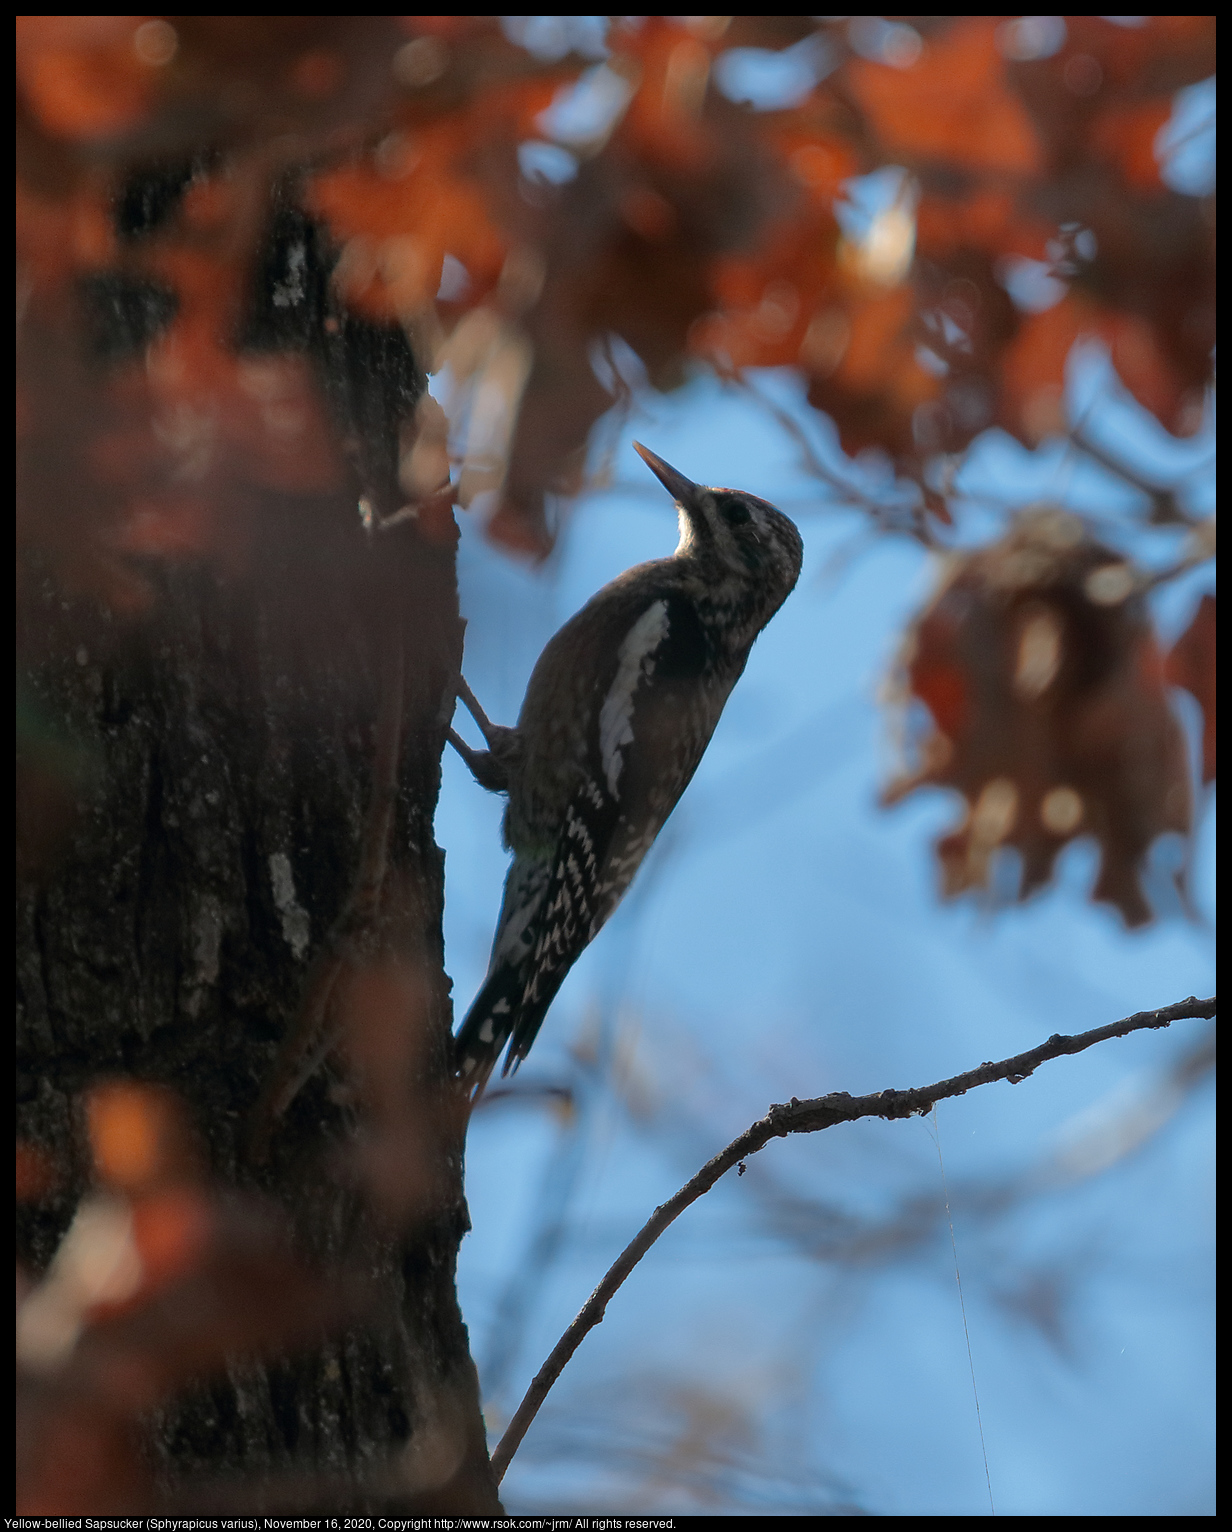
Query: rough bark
x=220, y=766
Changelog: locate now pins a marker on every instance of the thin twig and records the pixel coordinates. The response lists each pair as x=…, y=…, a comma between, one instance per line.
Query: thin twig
x=808, y=1117
x=1201, y=551
x=1165, y=510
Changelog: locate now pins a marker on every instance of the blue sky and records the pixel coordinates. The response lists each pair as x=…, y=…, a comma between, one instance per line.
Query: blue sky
x=795, y=1341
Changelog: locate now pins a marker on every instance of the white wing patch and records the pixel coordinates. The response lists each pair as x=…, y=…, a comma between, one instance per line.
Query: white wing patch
x=511, y=936
x=524, y=890
x=636, y=659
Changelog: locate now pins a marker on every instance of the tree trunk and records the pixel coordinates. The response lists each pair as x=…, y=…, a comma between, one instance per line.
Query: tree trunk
x=219, y=791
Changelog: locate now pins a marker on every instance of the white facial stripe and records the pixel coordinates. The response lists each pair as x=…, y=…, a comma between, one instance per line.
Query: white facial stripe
x=688, y=537
x=636, y=659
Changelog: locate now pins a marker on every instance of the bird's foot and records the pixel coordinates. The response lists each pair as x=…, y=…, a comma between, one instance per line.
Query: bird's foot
x=490, y=731
x=491, y=768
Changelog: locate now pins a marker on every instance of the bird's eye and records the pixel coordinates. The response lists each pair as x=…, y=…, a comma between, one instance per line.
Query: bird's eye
x=734, y=512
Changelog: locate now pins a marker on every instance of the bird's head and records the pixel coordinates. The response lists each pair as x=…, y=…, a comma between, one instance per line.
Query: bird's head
x=748, y=537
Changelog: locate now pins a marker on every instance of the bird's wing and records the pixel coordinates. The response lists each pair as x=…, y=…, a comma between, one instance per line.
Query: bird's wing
x=648, y=723
x=633, y=738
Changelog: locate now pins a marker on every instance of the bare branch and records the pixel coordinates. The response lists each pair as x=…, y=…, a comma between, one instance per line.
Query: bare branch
x=1200, y=550
x=809, y=1117
x=1165, y=510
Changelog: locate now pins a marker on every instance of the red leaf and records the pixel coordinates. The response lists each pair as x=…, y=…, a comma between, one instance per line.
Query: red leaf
x=953, y=104
x=1038, y=664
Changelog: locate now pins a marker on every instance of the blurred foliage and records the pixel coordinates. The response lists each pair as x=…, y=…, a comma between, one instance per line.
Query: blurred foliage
x=531, y=204
x=158, y=1281
x=1047, y=709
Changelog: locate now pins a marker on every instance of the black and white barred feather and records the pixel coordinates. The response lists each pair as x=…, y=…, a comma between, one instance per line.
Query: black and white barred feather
x=618, y=713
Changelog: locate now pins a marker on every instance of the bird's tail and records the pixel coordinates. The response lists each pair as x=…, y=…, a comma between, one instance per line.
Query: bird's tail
x=496, y=1009
x=488, y=1025
x=501, y=1010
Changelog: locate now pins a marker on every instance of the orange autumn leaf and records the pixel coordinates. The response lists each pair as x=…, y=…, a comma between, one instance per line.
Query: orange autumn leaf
x=1033, y=369
x=57, y=238
x=985, y=219
x=954, y=103
x=138, y=1136
x=172, y=1230
x=819, y=160
x=663, y=121
x=1148, y=371
x=396, y=228
x=873, y=381
x=880, y=334
x=83, y=76
x=767, y=301
x=1125, y=136
x=696, y=229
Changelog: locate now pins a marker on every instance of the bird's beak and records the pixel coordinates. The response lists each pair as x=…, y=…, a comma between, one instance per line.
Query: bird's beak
x=682, y=490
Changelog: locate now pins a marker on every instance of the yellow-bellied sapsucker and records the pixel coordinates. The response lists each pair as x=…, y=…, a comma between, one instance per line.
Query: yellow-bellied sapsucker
x=619, y=709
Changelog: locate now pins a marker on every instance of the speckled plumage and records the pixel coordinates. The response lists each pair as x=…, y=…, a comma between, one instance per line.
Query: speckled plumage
x=618, y=713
